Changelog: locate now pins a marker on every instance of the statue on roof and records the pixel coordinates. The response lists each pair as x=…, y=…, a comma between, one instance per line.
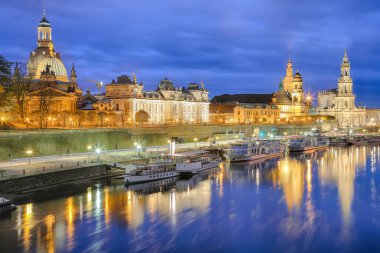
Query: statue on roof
x=134, y=78
x=202, y=85
x=48, y=71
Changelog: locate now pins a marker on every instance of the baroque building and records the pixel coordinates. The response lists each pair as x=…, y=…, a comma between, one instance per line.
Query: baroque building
x=290, y=98
x=340, y=102
x=49, y=77
x=166, y=105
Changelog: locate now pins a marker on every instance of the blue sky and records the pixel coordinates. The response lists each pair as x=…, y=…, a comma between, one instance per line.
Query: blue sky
x=233, y=46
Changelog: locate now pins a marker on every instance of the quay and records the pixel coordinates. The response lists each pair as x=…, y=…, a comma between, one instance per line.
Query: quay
x=29, y=174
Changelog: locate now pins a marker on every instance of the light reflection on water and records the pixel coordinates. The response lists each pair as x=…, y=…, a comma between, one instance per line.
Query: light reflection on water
x=310, y=202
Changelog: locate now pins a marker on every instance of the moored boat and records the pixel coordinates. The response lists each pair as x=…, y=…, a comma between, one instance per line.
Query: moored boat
x=307, y=143
x=6, y=205
x=357, y=140
x=148, y=172
x=253, y=150
x=339, y=141
x=191, y=163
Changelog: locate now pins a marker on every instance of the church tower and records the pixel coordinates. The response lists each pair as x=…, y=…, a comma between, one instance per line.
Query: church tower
x=45, y=56
x=73, y=75
x=345, y=98
x=345, y=81
x=44, y=34
x=288, y=79
x=297, y=90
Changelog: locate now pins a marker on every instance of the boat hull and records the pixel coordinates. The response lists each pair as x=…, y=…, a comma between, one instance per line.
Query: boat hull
x=149, y=178
x=191, y=172
x=305, y=149
x=252, y=157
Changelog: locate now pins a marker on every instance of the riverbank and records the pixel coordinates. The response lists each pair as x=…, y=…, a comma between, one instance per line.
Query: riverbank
x=16, y=188
x=14, y=143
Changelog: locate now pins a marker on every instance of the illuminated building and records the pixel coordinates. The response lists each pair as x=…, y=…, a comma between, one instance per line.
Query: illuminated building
x=290, y=97
x=166, y=105
x=340, y=102
x=221, y=113
x=243, y=113
x=45, y=64
x=49, y=76
x=288, y=101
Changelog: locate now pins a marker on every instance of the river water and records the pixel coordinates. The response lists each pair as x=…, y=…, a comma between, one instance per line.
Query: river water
x=326, y=201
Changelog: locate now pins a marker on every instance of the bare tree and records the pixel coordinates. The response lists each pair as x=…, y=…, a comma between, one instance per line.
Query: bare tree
x=45, y=102
x=19, y=90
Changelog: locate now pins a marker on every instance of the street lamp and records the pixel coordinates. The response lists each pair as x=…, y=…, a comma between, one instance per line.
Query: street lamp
x=138, y=149
x=98, y=151
x=89, y=147
x=195, y=142
x=29, y=152
x=217, y=138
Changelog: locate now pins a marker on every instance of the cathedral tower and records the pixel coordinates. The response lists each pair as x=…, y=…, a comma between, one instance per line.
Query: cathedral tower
x=297, y=89
x=345, y=97
x=288, y=79
x=345, y=80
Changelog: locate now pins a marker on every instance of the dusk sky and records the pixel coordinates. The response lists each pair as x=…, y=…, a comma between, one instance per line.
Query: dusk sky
x=236, y=46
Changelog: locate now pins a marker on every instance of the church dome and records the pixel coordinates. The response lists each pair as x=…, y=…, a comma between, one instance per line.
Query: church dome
x=56, y=65
x=297, y=77
x=283, y=98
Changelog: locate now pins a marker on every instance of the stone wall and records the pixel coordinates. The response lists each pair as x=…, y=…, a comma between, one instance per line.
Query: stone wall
x=57, y=142
x=28, y=183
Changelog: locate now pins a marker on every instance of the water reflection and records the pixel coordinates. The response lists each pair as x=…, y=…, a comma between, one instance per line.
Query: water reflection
x=338, y=167
x=298, y=198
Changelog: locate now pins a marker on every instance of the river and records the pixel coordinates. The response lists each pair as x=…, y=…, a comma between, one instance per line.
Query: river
x=325, y=201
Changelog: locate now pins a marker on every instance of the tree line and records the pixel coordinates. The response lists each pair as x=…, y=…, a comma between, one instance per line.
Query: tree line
x=15, y=88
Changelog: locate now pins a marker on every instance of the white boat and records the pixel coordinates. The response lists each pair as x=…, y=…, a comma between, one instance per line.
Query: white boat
x=6, y=205
x=141, y=173
x=154, y=186
x=358, y=140
x=253, y=150
x=339, y=141
x=191, y=163
x=308, y=143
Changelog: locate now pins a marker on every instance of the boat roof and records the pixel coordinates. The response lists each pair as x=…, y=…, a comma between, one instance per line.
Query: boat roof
x=192, y=153
x=4, y=201
x=153, y=164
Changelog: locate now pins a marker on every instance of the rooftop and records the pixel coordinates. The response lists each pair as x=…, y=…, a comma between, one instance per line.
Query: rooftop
x=243, y=98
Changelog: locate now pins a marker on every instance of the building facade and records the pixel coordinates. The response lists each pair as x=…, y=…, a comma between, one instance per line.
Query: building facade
x=52, y=91
x=244, y=109
x=340, y=102
x=290, y=97
x=166, y=105
x=222, y=113
x=256, y=113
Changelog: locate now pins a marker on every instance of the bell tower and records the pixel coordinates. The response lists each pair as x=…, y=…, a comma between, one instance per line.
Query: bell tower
x=345, y=98
x=73, y=75
x=288, y=79
x=45, y=34
x=345, y=80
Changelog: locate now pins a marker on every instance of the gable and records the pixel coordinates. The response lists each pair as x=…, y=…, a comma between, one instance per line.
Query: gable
x=55, y=93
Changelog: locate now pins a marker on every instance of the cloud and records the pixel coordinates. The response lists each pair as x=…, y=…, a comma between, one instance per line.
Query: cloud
x=230, y=45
